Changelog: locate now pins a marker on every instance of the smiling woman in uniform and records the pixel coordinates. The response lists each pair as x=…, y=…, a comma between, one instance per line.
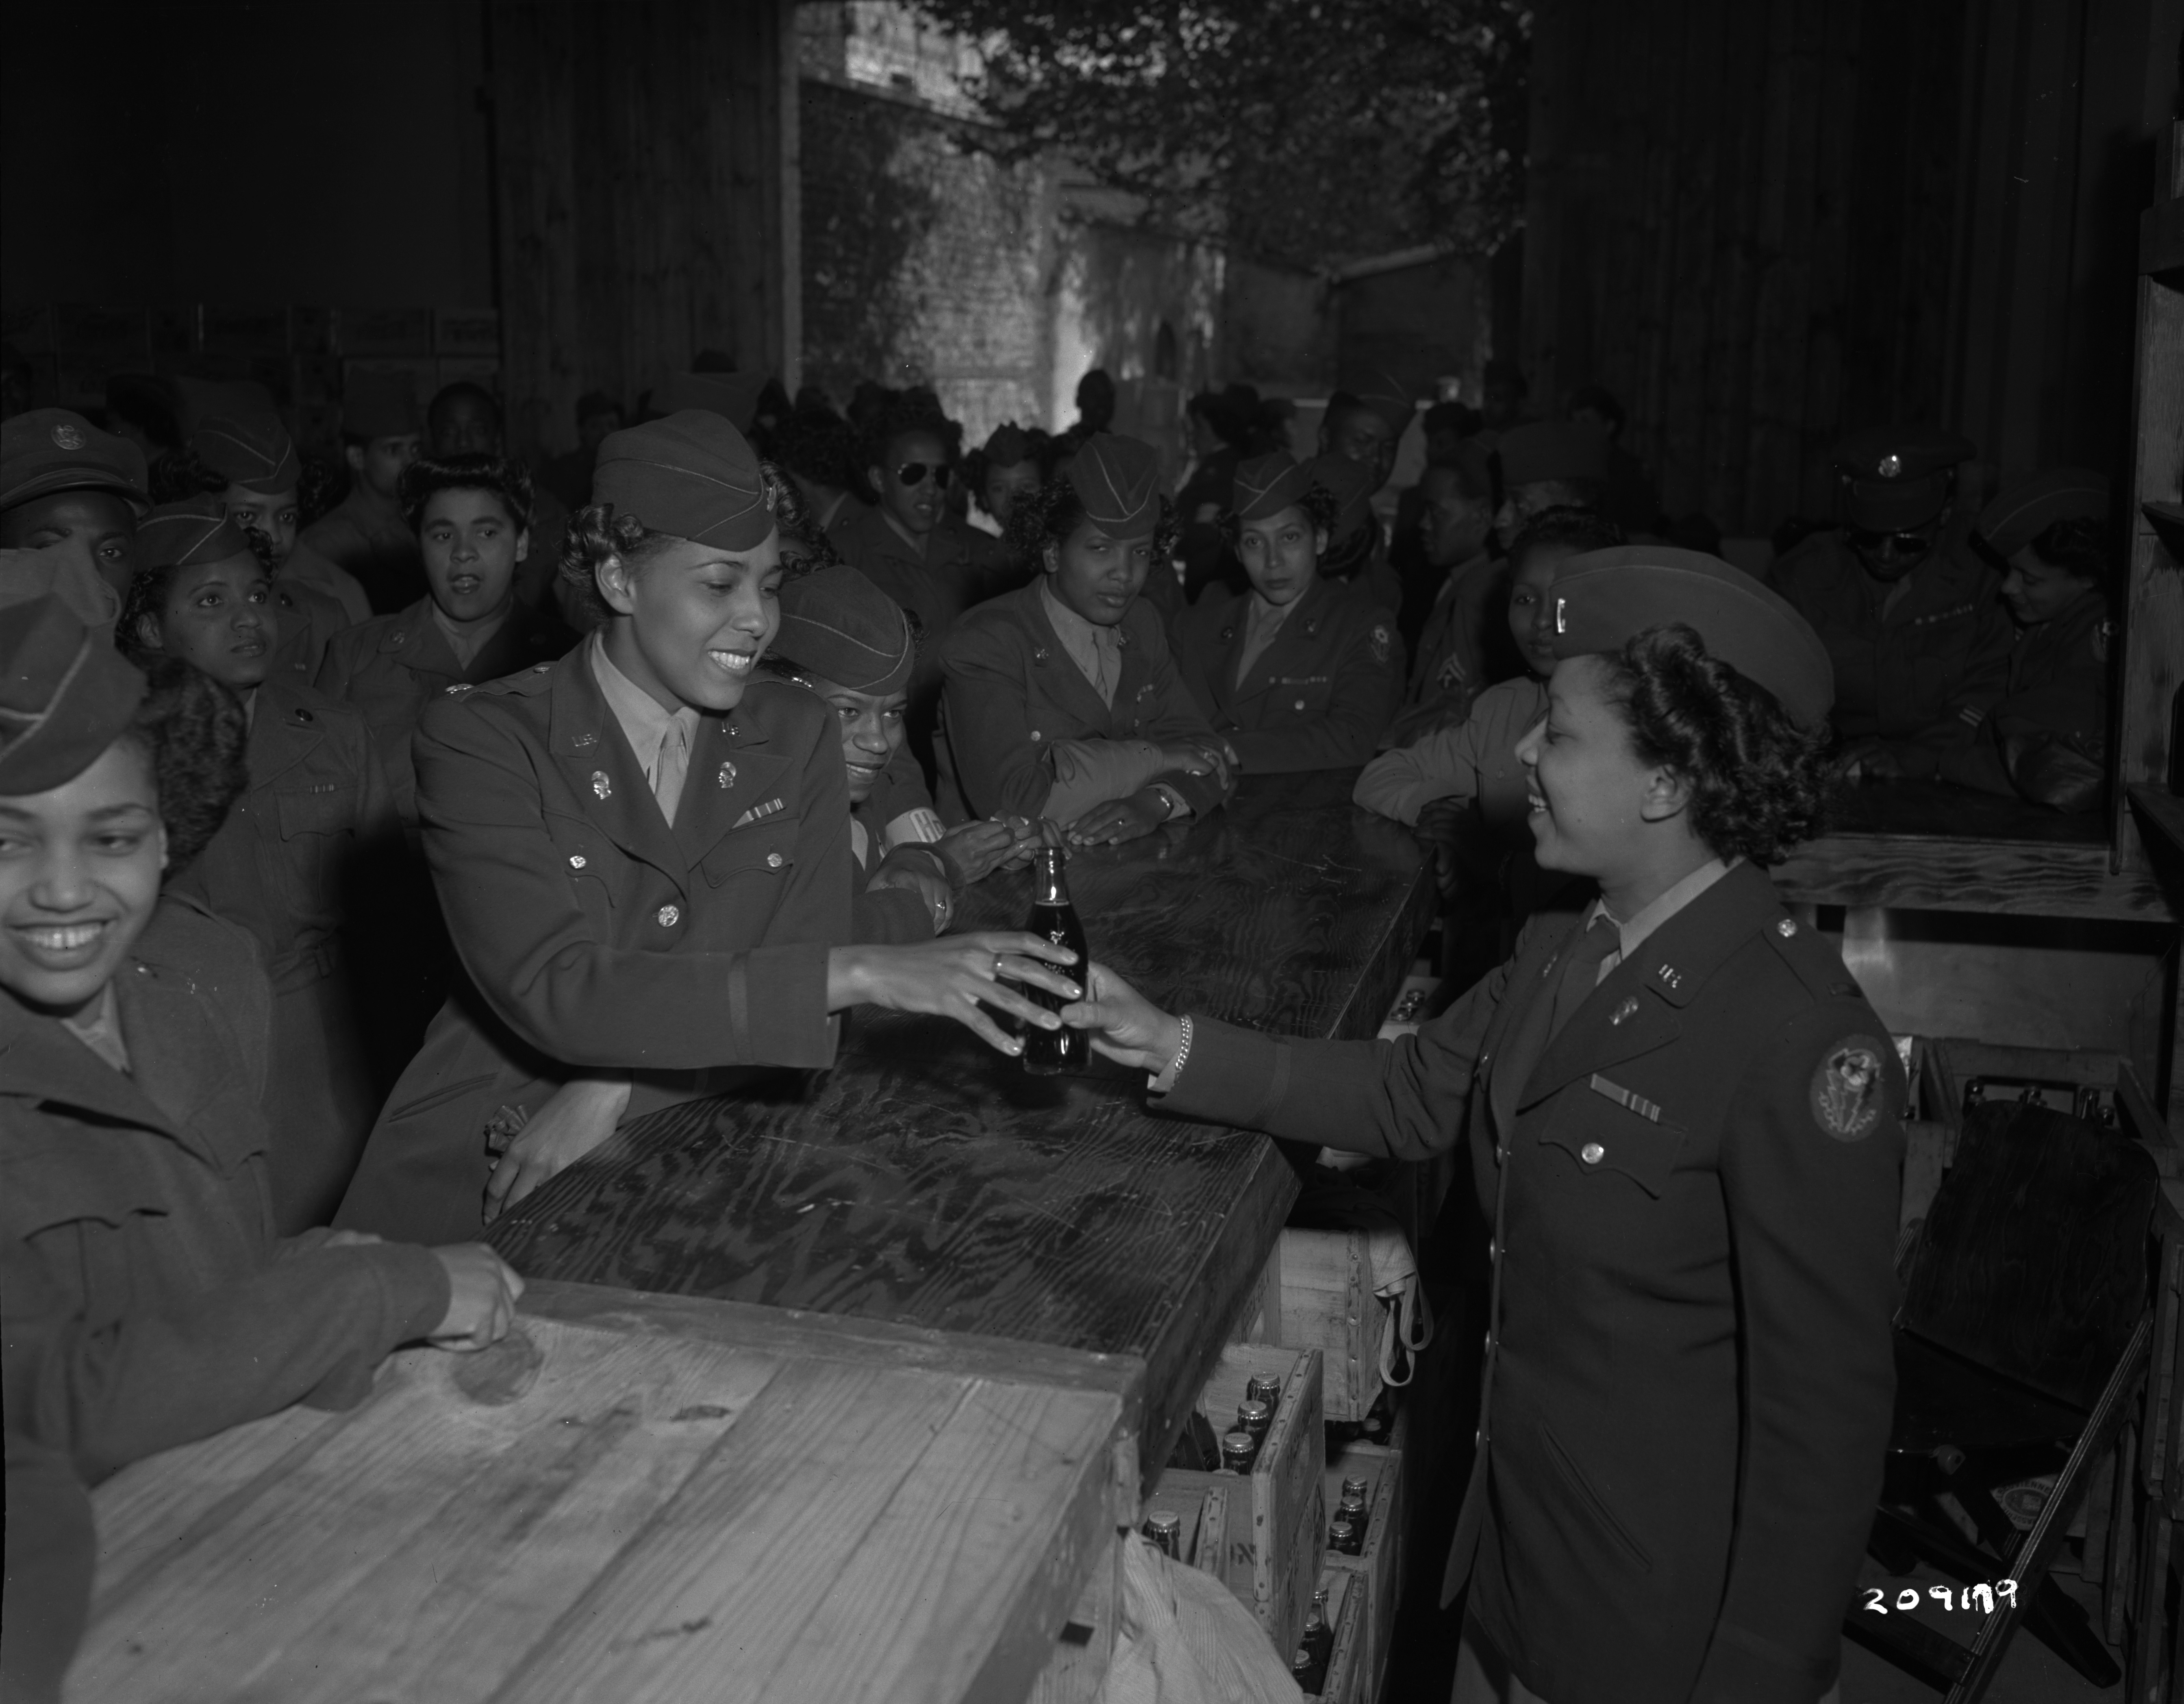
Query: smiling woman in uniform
x=1683, y=1122
x=643, y=855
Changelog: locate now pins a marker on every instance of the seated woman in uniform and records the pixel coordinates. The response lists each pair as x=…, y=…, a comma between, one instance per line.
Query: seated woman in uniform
x=643, y=856
x=1061, y=700
x=1462, y=787
x=1683, y=1117
x=149, y=1298
x=472, y=518
x=1298, y=674
x=284, y=862
x=2046, y=739
x=843, y=639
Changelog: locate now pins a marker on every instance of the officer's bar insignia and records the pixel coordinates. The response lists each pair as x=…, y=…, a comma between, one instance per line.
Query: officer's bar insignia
x=1623, y=1097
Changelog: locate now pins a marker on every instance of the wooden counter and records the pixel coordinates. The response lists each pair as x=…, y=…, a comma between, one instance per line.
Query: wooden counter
x=670, y=1499
x=926, y=1181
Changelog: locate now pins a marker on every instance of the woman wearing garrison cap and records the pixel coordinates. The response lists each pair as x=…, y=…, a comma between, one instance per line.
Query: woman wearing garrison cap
x=1682, y=1116
x=1302, y=673
x=295, y=849
x=1061, y=700
x=643, y=856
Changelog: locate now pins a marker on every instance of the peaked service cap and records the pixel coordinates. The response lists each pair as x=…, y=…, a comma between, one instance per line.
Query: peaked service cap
x=1117, y=479
x=47, y=450
x=2029, y=507
x=1266, y=485
x=691, y=474
x=1890, y=477
x=1603, y=598
x=180, y=534
x=838, y=625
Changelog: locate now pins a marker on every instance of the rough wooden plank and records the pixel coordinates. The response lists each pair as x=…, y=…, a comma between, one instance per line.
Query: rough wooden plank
x=2022, y=879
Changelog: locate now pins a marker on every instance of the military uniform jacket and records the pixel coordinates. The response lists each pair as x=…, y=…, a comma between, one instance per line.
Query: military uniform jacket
x=1688, y=1380
x=2046, y=738
x=1316, y=698
x=147, y=1301
x=1012, y=691
x=595, y=937
x=1923, y=677
x=318, y=800
x=391, y=667
x=367, y=540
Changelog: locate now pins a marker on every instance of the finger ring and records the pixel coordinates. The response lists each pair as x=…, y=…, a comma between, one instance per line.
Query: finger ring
x=997, y=966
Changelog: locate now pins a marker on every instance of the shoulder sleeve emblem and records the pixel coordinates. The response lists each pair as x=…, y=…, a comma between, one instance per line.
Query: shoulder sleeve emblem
x=1847, y=1087
x=1382, y=645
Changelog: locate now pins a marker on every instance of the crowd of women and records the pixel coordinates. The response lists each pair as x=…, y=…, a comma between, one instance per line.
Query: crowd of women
x=361, y=872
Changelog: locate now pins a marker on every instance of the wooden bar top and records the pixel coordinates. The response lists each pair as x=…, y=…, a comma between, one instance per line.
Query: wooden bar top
x=927, y=1180
x=634, y=1500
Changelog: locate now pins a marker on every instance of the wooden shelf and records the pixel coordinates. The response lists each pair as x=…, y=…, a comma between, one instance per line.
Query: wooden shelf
x=2161, y=816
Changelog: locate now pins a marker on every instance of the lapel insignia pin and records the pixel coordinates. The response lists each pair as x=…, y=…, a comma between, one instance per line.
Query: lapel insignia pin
x=1039, y=655
x=1671, y=976
x=601, y=787
x=1629, y=1006
x=728, y=775
x=585, y=742
x=1785, y=928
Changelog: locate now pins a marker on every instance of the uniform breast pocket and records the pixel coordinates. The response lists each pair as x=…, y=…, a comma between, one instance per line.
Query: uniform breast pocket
x=582, y=854
x=324, y=807
x=761, y=856
x=1303, y=696
x=1608, y=1140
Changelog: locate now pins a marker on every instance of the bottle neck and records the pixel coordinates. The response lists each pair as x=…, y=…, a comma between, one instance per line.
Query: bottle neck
x=1047, y=886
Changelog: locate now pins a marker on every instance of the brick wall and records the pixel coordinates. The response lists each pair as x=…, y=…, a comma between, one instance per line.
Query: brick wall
x=924, y=261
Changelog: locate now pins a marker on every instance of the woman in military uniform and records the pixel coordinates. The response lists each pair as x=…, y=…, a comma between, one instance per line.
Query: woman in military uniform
x=2046, y=739
x=317, y=812
x=1061, y=699
x=643, y=856
x=1300, y=673
x=1683, y=1123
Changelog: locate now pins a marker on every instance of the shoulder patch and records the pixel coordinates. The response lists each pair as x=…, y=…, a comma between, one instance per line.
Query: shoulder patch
x=1383, y=644
x=1847, y=1085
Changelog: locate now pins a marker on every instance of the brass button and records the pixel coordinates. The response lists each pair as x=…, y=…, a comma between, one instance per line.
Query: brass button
x=669, y=915
x=1592, y=1153
x=576, y=860
x=1299, y=703
x=1785, y=928
x=773, y=860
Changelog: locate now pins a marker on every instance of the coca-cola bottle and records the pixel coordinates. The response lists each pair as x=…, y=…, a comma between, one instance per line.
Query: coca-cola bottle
x=1047, y=1051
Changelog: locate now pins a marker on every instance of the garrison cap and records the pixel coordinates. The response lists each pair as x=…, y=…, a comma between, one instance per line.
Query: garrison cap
x=1350, y=485
x=732, y=395
x=1266, y=485
x=50, y=449
x=1380, y=391
x=180, y=535
x=376, y=405
x=838, y=625
x=1117, y=479
x=1008, y=445
x=1603, y=598
x=65, y=693
x=691, y=474
x=1890, y=477
x=2031, y=506
x=1542, y=450
x=241, y=437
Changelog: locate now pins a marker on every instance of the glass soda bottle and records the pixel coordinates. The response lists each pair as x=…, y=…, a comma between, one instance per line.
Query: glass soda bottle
x=1047, y=1052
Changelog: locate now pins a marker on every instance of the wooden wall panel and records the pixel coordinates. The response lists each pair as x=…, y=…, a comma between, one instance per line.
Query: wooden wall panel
x=642, y=183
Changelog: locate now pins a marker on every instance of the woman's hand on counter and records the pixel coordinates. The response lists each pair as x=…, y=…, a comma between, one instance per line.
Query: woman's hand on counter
x=576, y=1118
x=958, y=978
x=977, y=849
x=1120, y=819
x=1126, y=1027
x=1202, y=754
x=483, y=1291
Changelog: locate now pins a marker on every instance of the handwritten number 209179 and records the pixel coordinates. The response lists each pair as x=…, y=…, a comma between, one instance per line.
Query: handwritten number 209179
x=1979, y=1597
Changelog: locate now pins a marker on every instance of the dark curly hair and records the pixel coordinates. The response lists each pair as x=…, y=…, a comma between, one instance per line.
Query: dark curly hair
x=503, y=476
x=912, y=411
x=1759, y=783
x=1052, y=512
x=2077, y=548
x=194, y=733
x=1320, y=506
x=596, y=534
x=799, y=527
x=1563, y=524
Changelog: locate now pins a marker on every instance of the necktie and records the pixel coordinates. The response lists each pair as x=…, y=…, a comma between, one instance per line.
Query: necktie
x=1581, y=973
x=1108, y=653
x=673, y=763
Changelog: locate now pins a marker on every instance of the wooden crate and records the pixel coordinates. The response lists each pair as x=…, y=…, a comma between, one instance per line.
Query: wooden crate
x=1262, y=1535
x=1351, y=1676
x=1375, y=1575
x=1328, y=1304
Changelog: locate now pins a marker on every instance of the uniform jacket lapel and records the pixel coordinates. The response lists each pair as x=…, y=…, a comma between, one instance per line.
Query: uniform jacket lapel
x=1064, y=682
x=603, y=773
x=731, y=774
x=1293, y=637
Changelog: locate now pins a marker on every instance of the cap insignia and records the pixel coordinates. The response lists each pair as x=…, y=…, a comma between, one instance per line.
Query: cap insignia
x=66, y=437
x=1890, y=464
x=1562, y=614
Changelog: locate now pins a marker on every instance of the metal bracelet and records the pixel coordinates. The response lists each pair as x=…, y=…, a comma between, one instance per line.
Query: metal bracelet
x=1181, y=1054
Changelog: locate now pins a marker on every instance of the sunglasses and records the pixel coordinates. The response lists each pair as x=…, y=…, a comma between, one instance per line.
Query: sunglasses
x=913, y=473
x=1890, y=544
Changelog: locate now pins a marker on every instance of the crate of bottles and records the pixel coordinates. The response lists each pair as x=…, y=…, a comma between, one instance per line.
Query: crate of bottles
x=1331, y=1662
x=1263, y=1533
x=1365, y=1497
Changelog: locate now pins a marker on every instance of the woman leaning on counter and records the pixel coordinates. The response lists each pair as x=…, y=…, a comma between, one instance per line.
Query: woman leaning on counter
x=643, y=853
x=1683, y=1119
x=1059, y=699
